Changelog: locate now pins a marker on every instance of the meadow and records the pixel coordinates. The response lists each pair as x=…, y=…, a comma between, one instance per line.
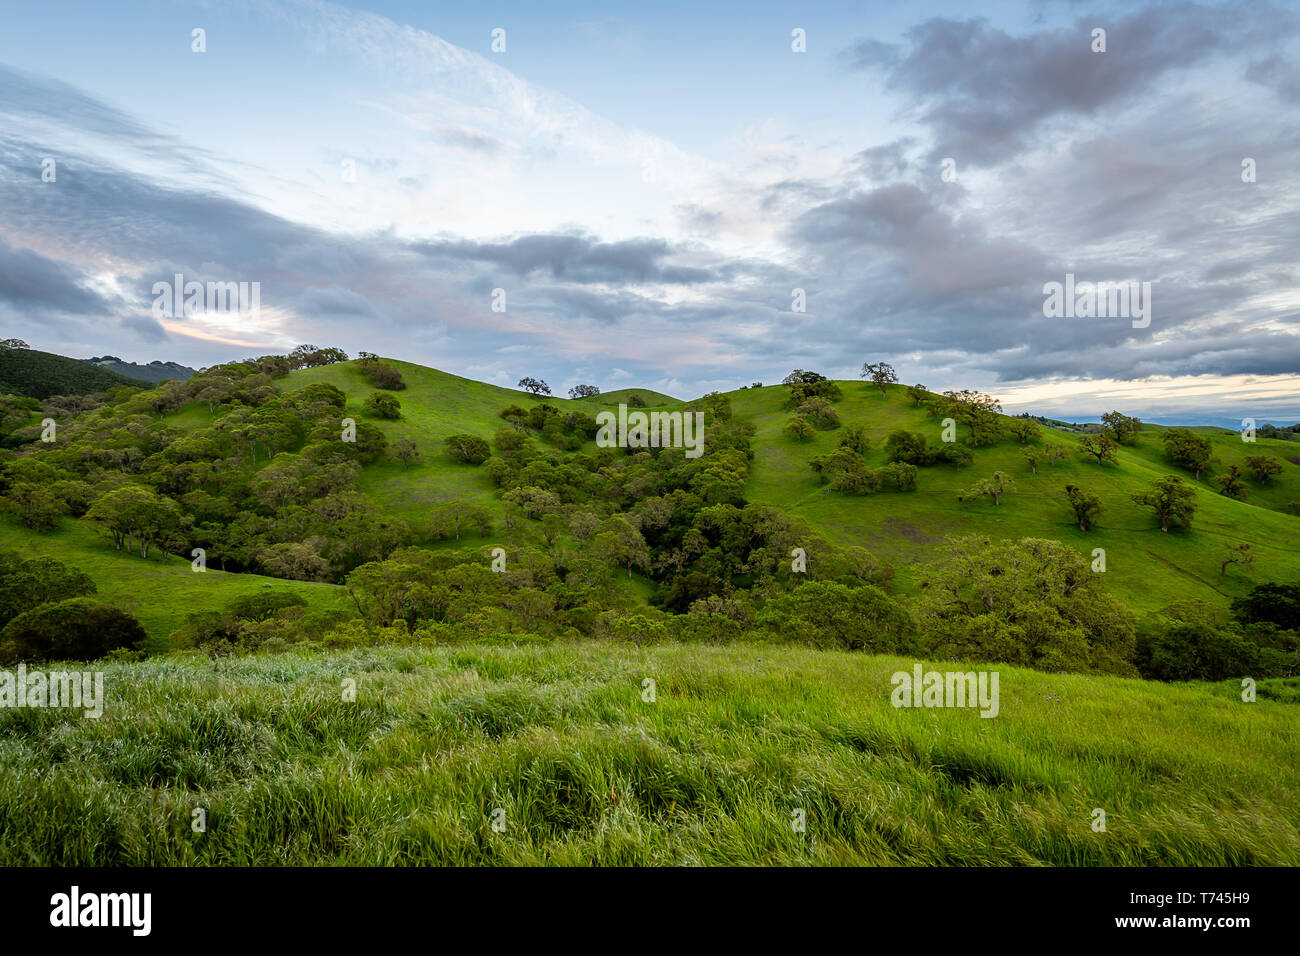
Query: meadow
x=559, y=746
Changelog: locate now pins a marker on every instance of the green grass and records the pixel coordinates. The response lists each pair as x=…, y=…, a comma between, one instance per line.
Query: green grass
x=652, y=398
x=42, y=374
x=559, y=738
x=586, y=772
x=434, y=405
x=1145, y=568
x=160, y=591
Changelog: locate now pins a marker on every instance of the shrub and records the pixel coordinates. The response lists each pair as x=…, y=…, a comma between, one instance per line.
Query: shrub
x=826, y=614
x=380, y=375
x=908, y=447
x=467, y=448
x=357, y=633
x=507, y=439
x=855, y=438
x=1032, y=602
x=705, y=628
x=1277, y=604
x=800, y=430
x=36, y=581
x=77, y=629
x=820, y=412
x=957, y=454
x=514, y=413
x=801, y=392
x=1200, y=651
x=383, y=406
x=899, y=474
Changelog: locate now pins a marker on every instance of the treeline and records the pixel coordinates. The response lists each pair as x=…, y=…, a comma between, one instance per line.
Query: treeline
x=1052, y=614
x=1258, y=637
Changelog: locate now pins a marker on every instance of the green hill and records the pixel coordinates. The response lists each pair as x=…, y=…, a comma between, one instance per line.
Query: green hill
x=1145, y=567
x=39, y=374
x=651, y=398
x=162, y=591
x=524, y=690
x=434, y=405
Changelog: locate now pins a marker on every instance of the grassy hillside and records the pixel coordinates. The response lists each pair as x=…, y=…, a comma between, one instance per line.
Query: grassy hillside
x=554, y=732
x=585, y=771
x=652, y=398
x=162, y=590
x=1146, y=568
x=42, y=374
x=434, y=405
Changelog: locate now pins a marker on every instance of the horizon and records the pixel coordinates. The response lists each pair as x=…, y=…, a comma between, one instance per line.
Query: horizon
x=900, y=184
x=1067, y=417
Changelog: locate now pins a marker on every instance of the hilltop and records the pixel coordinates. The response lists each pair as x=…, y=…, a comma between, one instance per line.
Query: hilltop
x=1147, y=568
x=38, y=374
x=1144, y=568
x=155, y=371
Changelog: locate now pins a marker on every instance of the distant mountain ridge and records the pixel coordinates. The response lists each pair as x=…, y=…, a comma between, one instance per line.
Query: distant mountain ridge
x=153, y=372
x=37, y=374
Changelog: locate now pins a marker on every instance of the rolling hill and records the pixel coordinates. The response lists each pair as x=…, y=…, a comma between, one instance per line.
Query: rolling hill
x=39, y=374
x=1146, y=568
x=153, y=372
x=557, y=733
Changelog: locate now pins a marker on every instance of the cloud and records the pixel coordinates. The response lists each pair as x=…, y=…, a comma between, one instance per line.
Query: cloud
x=1096, y=164
x=983, y=92
x=146, y=327
x=576, y=258
x=468, y=139
x=1279, y=74
x=30, y=281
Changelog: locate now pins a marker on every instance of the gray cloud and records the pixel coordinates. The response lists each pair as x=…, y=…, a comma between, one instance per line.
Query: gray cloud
x=30, y=281
x=468, y=139
x=944, y=279
x=1279, y=74
x=576, y=258
x=983, y=92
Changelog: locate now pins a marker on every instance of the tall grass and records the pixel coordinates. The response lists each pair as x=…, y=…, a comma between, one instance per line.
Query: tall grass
x=587, y=772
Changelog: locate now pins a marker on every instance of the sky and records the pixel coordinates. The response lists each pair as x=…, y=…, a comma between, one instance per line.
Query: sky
x=675, y=196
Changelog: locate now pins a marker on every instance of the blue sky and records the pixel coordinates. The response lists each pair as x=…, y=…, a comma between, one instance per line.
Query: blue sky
x=649, y=184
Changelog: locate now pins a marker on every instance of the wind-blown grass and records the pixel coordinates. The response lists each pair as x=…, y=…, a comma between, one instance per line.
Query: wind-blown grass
x=586, y=772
